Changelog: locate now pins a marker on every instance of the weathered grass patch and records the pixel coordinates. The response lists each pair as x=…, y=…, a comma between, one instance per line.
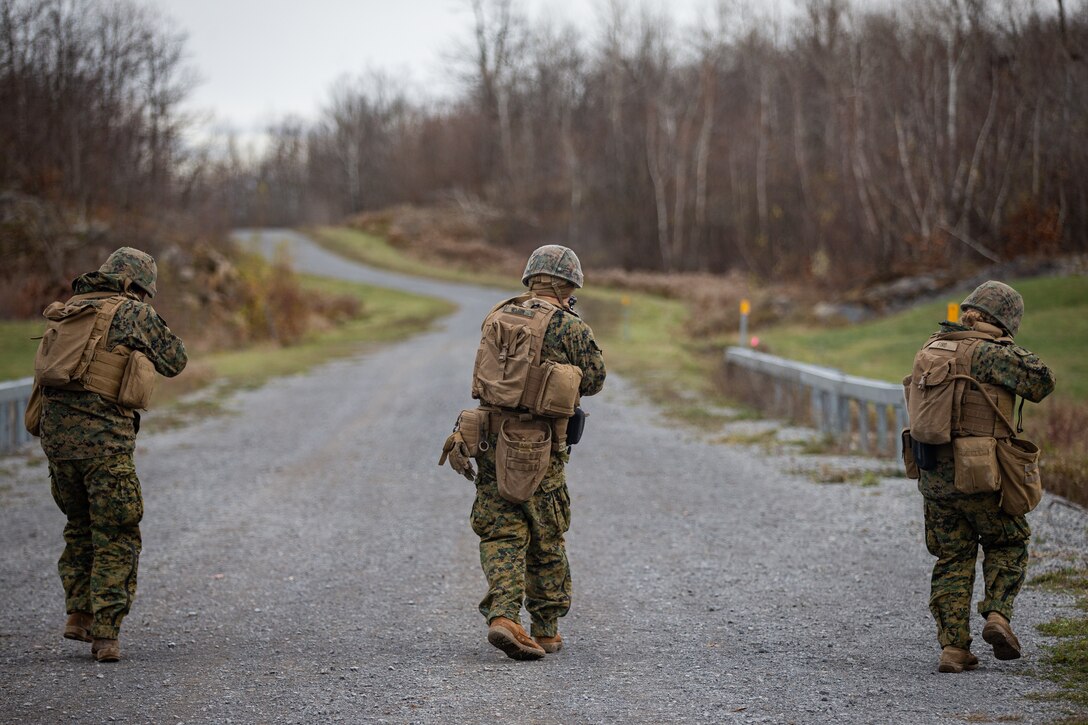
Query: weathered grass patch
x=1067, y=658
x=386, y=315
x=764, y=437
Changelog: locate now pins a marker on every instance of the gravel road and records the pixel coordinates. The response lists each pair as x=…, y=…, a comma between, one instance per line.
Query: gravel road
x=305, y=561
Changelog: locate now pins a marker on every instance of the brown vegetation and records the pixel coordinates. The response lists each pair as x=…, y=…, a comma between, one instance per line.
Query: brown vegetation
x=850, y=144
x=1065, y=458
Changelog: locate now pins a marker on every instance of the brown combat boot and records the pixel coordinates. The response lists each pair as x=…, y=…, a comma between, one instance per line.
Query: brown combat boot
x=510, y=637
x=998, y=634
x=106, y=650
x=957, y=659
x=551, y=645
x=78, y=626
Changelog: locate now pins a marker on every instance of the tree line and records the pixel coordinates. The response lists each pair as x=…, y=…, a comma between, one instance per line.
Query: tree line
x=845, y=142
x=89, y=103
x=841, y=141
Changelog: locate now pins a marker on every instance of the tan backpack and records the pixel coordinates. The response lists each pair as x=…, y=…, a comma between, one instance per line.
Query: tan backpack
x=508, y=372
x=73, y=355
x=943, y=399
x=71, y=337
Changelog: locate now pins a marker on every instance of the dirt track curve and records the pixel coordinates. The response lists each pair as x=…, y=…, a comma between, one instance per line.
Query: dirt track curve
x=305, y=561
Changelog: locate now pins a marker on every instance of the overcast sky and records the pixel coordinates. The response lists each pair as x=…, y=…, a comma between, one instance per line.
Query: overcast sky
x=261, y=59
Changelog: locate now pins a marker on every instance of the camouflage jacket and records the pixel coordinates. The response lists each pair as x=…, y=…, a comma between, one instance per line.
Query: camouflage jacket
x=569, y=340
x=81, y=424
x=1018, y=370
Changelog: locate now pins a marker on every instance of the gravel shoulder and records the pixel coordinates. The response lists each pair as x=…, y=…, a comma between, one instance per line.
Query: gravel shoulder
x=306, y=561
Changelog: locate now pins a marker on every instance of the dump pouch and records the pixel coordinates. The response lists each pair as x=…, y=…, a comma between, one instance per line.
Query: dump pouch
x=909, y=464
x=522, y=456
x=976, y=464
x=1021, y=483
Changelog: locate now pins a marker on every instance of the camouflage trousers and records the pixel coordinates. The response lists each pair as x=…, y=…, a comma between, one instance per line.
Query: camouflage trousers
x=523, y=554
x=955, y=527
x=102, y=500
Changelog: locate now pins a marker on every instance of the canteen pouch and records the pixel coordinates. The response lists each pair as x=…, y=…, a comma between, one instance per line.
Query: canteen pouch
x=909, y=464
x=576, y=426
x=1021, y=483
x=976, y=464
x=522, y=456
x=32, y=418
x=473, y=427
x=137, y=383
x=558, y=394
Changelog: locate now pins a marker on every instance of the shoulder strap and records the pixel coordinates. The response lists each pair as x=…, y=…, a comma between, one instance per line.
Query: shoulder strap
x=99, y=333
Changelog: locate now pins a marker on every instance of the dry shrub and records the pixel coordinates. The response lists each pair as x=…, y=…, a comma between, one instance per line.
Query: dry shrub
x=451, y=234
x=1065, y=458
x=274, y=307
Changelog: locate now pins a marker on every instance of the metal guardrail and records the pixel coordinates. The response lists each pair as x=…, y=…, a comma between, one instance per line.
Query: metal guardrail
x=14, y=395
x=843, y=406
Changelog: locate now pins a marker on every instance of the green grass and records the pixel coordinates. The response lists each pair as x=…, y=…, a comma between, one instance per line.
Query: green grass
x=1055, y=326
x=387, y=315
x=641, y=335
x=17, y=347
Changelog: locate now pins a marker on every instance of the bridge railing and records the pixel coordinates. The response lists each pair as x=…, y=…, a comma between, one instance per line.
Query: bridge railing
x=852, y=410
x=14, y=395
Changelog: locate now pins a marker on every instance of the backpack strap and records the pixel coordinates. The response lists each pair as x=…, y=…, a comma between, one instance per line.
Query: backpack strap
x=99, y=333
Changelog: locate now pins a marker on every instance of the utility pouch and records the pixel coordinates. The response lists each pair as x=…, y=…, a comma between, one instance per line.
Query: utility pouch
x=473, y=426
x=32, y=418
x=558, y=394
x=1021, y=483
x=976, y=464
x=576, y=426
x=521, y=458
x=909, y=464
x=137, y=382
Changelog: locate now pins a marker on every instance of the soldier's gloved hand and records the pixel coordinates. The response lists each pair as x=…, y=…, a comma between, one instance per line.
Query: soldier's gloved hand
x=456, y=450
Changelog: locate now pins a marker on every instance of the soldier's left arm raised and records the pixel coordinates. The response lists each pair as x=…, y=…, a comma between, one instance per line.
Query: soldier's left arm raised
x=142, y=329
x=1014, y=368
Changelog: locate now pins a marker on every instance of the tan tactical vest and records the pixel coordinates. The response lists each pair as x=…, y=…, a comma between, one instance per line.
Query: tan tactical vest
x=72, y=354
x=944, y=401
x=508, y=372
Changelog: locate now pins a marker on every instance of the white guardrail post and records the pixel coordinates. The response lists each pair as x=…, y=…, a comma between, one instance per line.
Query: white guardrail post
x=14, y=395
x=840, y=405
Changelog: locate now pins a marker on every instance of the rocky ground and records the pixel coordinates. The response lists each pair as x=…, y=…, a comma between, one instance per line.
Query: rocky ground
x=306, y=561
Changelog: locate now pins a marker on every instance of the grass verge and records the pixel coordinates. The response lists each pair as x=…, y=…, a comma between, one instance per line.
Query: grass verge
x=1055, y=327
x=641, y=334
x=17, y=347
x=386, y=315
x=376, y=251
x=1067, y=658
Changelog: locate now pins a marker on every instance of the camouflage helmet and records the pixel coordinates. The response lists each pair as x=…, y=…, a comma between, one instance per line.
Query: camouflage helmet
x=555, y=260
x=1000, y=302
x=133, y=265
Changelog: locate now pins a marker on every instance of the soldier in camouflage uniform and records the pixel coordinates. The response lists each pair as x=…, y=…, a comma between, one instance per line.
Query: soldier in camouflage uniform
x=956, y=523
x=522, y=550
x=89, y=442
